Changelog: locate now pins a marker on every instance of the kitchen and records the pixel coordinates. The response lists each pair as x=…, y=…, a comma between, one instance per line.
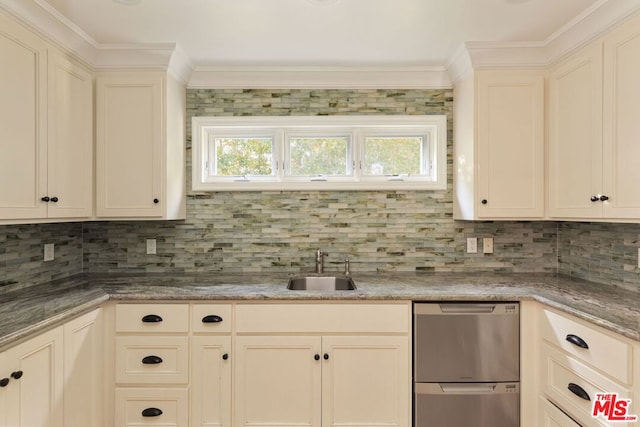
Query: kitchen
x=278, y=233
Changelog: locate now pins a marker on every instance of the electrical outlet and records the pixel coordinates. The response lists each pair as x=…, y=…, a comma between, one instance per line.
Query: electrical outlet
x=49, y=252
x=472, y=245
x=151, y=246
x=487, y=245
x=638, y=257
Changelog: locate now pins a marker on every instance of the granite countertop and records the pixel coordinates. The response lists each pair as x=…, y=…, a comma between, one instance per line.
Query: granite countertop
x=37, y=308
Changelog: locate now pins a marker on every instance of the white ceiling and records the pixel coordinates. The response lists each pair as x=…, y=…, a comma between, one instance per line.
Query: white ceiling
x=321, y=32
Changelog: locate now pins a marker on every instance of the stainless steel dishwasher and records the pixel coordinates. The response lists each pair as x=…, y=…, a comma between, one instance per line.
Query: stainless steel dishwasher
x=466, y=364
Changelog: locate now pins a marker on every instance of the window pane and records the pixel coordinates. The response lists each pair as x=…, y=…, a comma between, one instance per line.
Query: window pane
x=393, y=155
x=318, y=156
x=243, y=156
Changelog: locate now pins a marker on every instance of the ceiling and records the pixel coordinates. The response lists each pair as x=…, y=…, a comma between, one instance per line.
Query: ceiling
x=320, y=32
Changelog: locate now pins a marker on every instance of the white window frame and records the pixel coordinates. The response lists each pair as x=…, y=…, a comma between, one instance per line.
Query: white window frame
x=432, y=127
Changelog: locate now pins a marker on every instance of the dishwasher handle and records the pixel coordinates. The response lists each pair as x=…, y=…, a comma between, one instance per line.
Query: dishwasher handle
x=467, y=308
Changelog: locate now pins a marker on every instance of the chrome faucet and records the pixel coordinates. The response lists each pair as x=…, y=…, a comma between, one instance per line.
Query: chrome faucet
x=320, y=261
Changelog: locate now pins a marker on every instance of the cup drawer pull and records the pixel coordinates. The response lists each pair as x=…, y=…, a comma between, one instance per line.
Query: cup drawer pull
x=212, y=318
x=152, y=318
x=578, y=391
x=152, y=360
x=152, y=412
x=576, y=340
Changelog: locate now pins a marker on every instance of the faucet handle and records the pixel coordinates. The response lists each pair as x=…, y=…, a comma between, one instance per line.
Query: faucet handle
x=346, y=267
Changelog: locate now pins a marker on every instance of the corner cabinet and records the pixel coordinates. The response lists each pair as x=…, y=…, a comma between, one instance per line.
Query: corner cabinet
x=46, y=139
x=499, y=146
x=140, y=146
x=34, y=372
x=593, y=130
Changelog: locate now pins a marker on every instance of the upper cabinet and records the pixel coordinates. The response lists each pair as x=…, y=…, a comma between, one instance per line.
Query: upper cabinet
x=140, y=159
x=499, y=146
x=46, y=136
x=594, y=96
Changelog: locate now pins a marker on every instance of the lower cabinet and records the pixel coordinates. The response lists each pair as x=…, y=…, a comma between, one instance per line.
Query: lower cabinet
x=322, y=365
x=551, y=416
x=83, y=371
x=210, y=381
x=34, y=394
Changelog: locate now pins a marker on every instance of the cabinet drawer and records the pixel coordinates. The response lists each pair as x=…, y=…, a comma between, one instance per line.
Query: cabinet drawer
x=151, y=407
x=323, y=318
x=143, y=318
x=605, y=351
x=551, y=416
x=152, y=360
x=211, y=318
x=562, y=372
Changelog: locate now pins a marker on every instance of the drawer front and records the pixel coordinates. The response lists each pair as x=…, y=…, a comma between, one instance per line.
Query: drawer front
x=605, y=352
x=152, y=360
x=151, y=407
x=551, y=416
x=323, y=318
x=152, y=318
x=211, y=318
x=562, y=373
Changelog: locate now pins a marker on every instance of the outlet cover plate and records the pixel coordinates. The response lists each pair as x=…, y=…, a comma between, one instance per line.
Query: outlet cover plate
x=49, y=252
x=472, y=245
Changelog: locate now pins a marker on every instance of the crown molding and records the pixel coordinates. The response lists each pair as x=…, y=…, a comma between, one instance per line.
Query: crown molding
x=586, y=27
x=312, y=77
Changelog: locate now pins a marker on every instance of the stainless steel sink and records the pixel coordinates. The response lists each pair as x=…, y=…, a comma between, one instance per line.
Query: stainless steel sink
x=321, y=283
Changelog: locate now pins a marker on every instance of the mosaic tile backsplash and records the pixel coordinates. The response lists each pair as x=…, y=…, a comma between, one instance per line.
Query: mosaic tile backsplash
x=280, y=231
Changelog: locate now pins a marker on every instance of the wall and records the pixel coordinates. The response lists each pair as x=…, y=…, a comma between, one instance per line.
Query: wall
x=21, y=254
x=280, y=231
x=385, y=231
x=600, y=252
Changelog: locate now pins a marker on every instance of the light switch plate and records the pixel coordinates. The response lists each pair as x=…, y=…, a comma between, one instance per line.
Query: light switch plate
x=151, y=246
x=49, y=252
x=487, y=245
x=472, y=245
x=638, y=257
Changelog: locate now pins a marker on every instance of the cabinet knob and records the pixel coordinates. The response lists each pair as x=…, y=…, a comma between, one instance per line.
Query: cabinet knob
x=576, y=340
x=212, y=318
x=54, y=199
x=225, y=356
x=595, y=198
x=484, y=201
x=326, y=356
x=45, y=198
x=316, y=357
x=4, y=382
x=16, y=375
x=152, y=412
x=604, y=198
x=156, y=201
x=152, y=318
x=151, y=360
x=578, y=391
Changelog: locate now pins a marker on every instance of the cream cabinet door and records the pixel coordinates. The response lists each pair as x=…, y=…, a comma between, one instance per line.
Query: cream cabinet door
x=277, y=381
x=575, y=136
x=129, y=145
x=83, y=370
x=23, y=123
x=621, y=135
x=210, y=381
x=35, y=398
x=510, y=144
x=366, y=381
x=70, y=139
x=551, y=416
x=6, y=379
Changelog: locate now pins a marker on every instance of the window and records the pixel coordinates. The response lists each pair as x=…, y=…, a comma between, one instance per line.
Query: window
x=327, y=152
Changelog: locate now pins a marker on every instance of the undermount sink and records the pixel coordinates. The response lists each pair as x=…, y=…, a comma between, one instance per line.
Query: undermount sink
x=321, y=283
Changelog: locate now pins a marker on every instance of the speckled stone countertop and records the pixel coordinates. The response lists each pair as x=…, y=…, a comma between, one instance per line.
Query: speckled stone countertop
x=36, y=308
